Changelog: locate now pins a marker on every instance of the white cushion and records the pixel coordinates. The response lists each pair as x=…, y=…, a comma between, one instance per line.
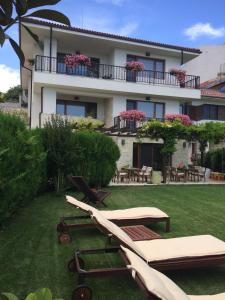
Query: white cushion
x=155, y=282
x=190, y=246
x=117, y=232
x=80, y=204
x=134, y=213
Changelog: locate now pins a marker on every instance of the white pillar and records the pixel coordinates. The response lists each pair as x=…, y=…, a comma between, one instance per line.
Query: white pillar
x=49, y=101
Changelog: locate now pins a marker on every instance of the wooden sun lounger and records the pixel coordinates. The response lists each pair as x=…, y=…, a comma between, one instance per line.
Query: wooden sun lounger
x=186, y=262
x=83, y=291
x=64, y=227
x=91, y=196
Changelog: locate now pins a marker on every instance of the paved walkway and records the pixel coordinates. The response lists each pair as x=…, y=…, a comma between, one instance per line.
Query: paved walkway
x=209, y=182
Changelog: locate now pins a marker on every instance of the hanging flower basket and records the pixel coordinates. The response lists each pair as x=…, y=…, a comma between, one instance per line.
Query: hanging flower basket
x=184, y=119
x=74, y=60
x=134, y=66
x=180, y=75
x=133, y=115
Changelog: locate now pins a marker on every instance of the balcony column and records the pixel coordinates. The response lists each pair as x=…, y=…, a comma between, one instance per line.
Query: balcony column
x=50, y=51
x=48, y=101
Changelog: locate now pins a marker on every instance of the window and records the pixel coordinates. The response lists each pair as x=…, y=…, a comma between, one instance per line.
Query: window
x=210, y=112
x=152, y=109
x=77, y=109
x=155, y=66
x=81, y=70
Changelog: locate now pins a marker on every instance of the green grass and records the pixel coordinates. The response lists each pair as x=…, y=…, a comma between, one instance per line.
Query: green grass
x=30, y=256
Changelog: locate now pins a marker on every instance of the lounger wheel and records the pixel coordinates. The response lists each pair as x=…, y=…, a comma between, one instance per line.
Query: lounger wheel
x=72, y=264
x=82, y=292
x=65, y=238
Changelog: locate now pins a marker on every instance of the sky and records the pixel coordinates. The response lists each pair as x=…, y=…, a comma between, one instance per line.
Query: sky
x=189, y=23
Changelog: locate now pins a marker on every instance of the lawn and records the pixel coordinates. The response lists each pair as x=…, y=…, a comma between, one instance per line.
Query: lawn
x=30, y=256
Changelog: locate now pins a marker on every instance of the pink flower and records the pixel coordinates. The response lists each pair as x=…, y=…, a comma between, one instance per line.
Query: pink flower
x=180, y=74
x=73, y=60
x=134, y=66
x=185, y=119
x=133, y=115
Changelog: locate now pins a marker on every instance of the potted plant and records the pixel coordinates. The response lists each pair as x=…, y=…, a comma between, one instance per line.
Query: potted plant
x=180, y=75
x=134, y=66
x=74, y=60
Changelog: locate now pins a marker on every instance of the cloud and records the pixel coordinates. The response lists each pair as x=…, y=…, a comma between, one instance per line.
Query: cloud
x=109, y=25
x=9, y=78
x=114, y=2
x=204, y=29
x=128, y=28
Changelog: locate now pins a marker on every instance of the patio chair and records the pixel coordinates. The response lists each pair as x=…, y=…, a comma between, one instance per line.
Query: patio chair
x=177, y=175
x=168, y=254
x=123, y=217
x=122, y=175
x=141, y=173
x=92, y=196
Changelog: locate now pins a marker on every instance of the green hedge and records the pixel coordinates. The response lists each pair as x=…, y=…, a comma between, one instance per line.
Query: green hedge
x=82, y=152
x=22, y=165
x=95, y=156
x=215, y=160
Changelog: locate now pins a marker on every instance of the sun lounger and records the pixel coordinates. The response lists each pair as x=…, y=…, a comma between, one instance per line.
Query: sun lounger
x=122, y=217
x=92, y=196
x=155, y=285
x=168, y=254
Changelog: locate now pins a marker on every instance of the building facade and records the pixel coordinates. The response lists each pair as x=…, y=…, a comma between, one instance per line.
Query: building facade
x=106, y=88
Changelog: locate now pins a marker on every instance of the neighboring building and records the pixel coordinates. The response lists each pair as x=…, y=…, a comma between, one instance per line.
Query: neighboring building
x=209, y=64
x=107, y=88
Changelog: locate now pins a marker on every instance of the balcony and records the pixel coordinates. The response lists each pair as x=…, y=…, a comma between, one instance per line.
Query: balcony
x=130, y=126
x=114, y=73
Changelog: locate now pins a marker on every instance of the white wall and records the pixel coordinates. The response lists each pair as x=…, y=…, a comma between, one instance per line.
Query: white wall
x=207, y=64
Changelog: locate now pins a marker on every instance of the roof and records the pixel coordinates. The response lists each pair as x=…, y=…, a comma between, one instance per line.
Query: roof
x=212, y=82
x=110, y=35
x=212, y=93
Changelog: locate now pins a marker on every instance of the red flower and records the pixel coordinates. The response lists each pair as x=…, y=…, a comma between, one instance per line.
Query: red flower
x=134, y=66
x=133, y=115
x=185, y=119
x=73, y=60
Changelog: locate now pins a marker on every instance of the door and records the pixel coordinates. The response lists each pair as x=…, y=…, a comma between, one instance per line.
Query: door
x=147, y=154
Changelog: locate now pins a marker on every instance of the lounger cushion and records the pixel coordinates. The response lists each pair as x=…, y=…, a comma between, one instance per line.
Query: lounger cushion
x=117, y=232
x=212, y=297
x=191, y=246
x=80, y=204
x=134, y=213
x=156, y=283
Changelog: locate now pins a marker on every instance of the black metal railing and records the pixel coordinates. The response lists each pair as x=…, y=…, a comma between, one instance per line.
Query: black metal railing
x=111, y=72
x=131, y=125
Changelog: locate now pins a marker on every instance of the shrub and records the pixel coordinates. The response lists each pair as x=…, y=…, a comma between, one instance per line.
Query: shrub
x=215, y=160
x=21, y=165
x=95, y=156
x=81, y=152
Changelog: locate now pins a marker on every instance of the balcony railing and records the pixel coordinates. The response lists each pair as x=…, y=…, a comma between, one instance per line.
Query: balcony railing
x=131, y=125
x=111, y=72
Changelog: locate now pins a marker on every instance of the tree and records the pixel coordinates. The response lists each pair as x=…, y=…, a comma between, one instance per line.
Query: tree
x=13, y=94
x=11, y=12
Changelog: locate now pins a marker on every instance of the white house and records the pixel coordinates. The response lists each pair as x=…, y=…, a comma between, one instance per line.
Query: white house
x=107, y=88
